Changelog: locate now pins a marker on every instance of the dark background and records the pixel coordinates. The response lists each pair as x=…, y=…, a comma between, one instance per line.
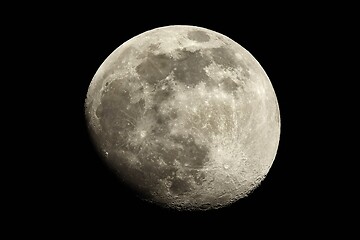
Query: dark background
x=72, y=189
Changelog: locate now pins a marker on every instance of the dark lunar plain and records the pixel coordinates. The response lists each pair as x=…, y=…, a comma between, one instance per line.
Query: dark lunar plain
x=75, y=191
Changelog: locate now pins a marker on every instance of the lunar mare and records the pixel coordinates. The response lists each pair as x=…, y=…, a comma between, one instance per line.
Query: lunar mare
x=185, y=116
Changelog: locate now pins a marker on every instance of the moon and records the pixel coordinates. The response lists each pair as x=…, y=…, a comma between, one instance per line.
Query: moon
x=185, y=116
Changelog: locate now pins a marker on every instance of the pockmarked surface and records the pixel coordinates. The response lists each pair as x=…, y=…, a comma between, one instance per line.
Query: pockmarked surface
x=185, y=116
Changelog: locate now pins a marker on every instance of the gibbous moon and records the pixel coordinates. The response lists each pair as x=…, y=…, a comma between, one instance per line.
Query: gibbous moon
x=185, y=116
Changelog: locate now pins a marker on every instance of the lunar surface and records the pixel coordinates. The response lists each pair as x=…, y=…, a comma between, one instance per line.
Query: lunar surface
x=185, y=116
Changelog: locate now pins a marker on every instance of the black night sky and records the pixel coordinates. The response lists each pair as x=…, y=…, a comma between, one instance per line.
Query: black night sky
x=75, y=189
